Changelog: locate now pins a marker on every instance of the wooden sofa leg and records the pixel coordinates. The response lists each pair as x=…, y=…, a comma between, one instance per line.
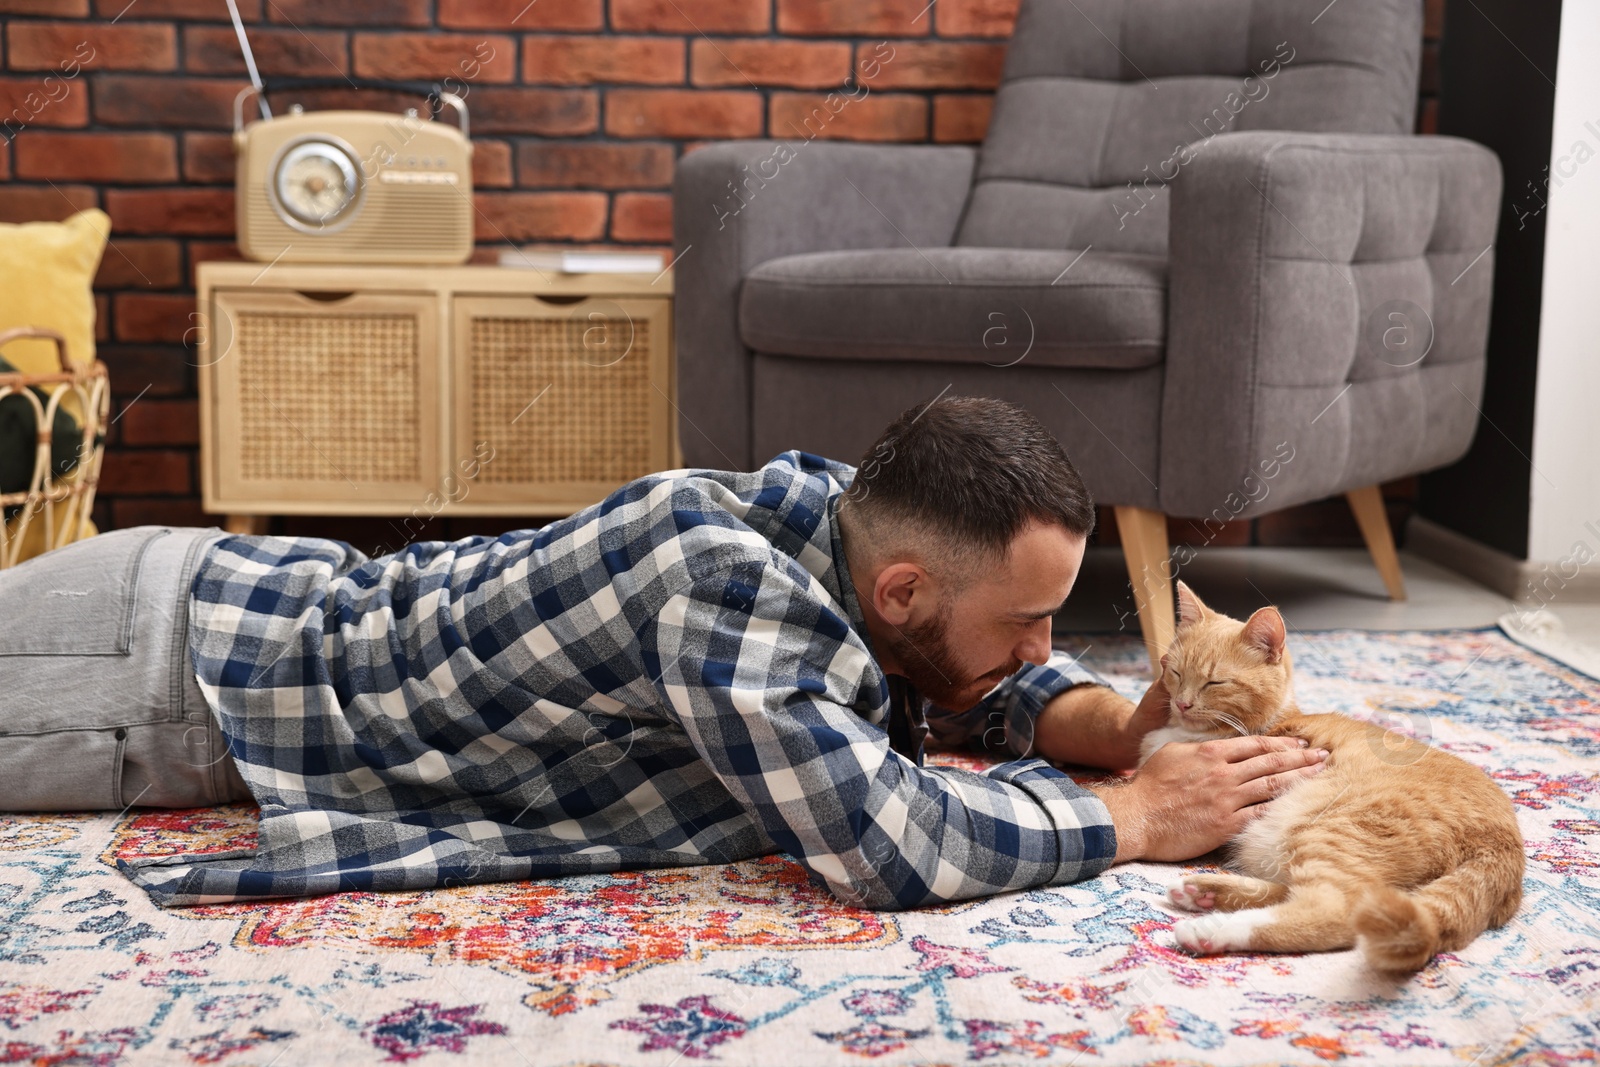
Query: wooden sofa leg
x=1367, y=503
x=1144, y=546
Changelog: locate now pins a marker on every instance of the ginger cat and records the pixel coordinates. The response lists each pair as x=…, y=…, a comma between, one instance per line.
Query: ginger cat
x=1396, y=845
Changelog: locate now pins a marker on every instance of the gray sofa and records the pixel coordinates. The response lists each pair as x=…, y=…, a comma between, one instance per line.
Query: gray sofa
x=1198, y=243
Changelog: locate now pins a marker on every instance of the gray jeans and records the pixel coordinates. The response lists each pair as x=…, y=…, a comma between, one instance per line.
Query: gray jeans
x=99, y=707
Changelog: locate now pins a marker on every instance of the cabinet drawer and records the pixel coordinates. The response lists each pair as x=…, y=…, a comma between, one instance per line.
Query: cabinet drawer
x=567, y=397
x=322, y=398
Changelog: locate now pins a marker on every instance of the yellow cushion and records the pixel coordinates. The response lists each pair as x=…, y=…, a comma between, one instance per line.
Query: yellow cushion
x=46, y=275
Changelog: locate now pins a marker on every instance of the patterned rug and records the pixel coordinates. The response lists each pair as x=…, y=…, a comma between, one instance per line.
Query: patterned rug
x=750, y=964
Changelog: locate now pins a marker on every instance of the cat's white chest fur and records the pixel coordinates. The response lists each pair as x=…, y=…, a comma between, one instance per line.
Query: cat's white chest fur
x=1166, y=735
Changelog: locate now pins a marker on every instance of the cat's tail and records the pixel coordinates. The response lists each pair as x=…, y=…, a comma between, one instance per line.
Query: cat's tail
x=1401, y=931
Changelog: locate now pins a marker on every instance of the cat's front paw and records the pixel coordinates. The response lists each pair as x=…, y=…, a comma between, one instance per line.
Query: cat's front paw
x=1221, y=931
x=1187, y=896
x=1198, y=936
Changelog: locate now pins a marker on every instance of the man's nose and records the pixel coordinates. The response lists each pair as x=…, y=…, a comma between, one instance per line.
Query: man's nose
x=1035, y=648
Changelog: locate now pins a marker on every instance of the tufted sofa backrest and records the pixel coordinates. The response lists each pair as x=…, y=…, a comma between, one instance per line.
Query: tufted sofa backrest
x=1103, y=102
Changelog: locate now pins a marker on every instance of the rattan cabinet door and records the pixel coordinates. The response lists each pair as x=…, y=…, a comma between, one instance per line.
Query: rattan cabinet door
x=557, y=401
x=324, y=406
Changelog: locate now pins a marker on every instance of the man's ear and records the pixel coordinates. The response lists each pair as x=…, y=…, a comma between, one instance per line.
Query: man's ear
x=1265, y=633
x=896, y=591
x=1190, y=608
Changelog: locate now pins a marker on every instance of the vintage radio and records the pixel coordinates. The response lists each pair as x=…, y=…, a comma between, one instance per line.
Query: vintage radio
x=353, y=186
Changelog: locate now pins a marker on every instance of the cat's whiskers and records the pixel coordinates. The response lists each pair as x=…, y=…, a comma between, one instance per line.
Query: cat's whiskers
x=1231, y=722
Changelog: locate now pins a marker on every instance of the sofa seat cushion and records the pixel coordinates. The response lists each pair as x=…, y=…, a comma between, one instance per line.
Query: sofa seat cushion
x=999, y=306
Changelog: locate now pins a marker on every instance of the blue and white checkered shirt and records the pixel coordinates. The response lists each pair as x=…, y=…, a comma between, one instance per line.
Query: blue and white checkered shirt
x=679, y=674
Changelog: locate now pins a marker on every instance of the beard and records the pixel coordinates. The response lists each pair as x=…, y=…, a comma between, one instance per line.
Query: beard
x=931, y=666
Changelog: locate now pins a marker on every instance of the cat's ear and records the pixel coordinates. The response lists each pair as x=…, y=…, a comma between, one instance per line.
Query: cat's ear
x=1190, y=609
x=1265, y=633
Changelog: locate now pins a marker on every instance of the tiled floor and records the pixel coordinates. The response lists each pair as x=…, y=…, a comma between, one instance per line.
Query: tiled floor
x=1315, y=588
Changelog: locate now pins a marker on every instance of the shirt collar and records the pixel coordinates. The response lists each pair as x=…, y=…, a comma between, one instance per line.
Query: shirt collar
x=881, y=711
x=841, y=568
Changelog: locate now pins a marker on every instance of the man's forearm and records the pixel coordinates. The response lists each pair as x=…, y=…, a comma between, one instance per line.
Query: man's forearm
x=1126, y=819
x=1091, y=725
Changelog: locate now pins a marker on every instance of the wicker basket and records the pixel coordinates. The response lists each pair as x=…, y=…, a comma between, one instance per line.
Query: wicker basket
x=75, y=490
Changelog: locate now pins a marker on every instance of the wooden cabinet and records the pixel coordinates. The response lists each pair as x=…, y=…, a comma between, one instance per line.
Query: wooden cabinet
x=360, y=390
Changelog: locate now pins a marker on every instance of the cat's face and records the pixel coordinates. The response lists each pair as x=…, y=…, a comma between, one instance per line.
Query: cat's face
x=1225, y=676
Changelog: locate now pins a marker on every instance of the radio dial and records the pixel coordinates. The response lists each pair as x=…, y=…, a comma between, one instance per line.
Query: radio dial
x=317, y=183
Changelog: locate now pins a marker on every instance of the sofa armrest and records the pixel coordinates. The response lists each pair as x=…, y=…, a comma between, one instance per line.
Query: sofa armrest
x=1329, y=303
x=740, y=203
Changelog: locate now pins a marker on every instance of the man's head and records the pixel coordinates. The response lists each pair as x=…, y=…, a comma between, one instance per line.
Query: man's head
x=964, y=530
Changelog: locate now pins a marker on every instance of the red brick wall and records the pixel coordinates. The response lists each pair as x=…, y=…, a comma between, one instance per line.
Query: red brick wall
x=579, y=110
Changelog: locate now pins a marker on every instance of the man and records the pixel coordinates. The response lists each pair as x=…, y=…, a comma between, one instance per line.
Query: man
x=704, y=667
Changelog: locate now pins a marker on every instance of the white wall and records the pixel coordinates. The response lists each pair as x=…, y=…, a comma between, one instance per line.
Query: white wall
x=1565, y=505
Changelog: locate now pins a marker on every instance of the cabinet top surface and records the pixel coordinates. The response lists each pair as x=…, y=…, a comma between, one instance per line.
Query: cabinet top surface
x=472, y=277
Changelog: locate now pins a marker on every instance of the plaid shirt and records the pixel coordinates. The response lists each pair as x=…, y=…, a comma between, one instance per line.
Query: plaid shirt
x=679, y=674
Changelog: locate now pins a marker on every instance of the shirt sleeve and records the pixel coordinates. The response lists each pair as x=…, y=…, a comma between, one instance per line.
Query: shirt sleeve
x=762, y=676
x=1003, y=721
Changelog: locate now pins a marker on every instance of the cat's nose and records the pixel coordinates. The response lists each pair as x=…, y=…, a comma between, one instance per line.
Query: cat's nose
x=1184, y=705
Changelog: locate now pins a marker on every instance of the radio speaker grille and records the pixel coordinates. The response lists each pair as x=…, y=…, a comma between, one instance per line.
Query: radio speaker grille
x=328, y=397
x=417, y=221
x=562, y=399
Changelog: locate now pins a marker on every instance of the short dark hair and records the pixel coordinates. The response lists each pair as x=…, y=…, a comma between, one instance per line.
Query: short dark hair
x=970, y=471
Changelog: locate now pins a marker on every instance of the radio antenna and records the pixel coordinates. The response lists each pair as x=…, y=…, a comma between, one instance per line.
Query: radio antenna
x=249, y=59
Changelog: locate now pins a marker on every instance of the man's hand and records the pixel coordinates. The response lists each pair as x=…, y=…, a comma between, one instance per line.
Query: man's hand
x=1154, y=710
x=1190, y=798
